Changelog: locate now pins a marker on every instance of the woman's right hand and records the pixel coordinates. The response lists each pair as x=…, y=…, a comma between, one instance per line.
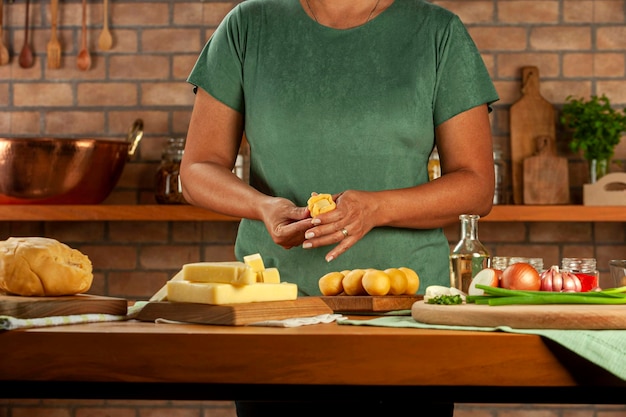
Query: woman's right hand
x=285, y=222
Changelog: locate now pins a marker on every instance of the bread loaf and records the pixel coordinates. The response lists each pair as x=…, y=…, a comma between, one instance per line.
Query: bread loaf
x=37, y=266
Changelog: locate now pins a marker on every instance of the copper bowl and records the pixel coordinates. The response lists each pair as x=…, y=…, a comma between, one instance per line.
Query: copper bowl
x=63, y=171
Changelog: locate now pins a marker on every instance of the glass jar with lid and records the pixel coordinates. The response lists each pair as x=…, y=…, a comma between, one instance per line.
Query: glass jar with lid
x=585, y=269
x=168, y=187
x=500, y=194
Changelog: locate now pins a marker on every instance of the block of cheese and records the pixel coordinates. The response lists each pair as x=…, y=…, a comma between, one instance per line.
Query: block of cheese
x=223, y=272
x=255, y=262
x=221, y=293
x=270, y=276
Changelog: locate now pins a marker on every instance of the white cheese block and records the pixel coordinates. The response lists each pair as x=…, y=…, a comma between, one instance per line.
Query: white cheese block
x=223, y=272
x=220, y=293
x=270, y=276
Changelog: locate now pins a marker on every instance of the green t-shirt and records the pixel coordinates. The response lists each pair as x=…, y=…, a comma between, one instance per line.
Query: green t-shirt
x=328, y=110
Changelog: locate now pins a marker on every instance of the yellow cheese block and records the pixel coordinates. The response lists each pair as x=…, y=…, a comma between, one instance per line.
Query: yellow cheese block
x=220, y=293
x=223, y=272
x=255, y=262
x=270, y=276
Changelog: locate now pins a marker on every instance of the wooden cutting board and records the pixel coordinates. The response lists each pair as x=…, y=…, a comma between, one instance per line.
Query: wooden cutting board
x=546, y=176
x=37, y=307
x=552, y=316
x=530, y=117
x=351, y=304
x=233, y=314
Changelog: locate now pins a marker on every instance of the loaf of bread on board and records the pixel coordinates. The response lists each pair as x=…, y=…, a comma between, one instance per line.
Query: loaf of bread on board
x=38, y=266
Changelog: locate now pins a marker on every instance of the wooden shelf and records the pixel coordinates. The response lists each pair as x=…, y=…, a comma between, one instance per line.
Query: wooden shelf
x=566, y=213
x=153, y=212
x=569, y=213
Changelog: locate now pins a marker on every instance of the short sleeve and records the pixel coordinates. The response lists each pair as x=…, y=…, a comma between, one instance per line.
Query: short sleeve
x=219, y=67
x=463, y=81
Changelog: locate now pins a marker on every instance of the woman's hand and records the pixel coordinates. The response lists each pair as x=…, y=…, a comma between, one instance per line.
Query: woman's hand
x=285, y=222
x=345, y=225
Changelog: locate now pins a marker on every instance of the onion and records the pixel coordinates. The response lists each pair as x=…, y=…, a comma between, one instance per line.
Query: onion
x=487, y=276
x=521, y=276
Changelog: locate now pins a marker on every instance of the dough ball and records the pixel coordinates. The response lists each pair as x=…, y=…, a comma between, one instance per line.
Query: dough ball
x=37, y=266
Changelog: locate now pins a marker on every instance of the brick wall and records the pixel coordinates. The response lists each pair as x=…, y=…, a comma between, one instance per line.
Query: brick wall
x=579, y=47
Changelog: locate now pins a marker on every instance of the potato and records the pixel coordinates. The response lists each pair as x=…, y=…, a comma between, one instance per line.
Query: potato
x=398, y=281
x=413, y=280
x=376, y=282
x=353, y=282
x=331, y=283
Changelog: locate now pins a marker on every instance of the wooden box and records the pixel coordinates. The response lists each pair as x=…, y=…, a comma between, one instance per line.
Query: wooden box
x=609, y=190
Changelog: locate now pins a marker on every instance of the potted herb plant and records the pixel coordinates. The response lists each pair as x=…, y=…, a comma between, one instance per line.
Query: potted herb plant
x=596, y=130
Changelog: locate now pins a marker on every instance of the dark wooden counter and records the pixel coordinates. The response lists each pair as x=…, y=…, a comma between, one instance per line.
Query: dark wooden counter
x=178, y=361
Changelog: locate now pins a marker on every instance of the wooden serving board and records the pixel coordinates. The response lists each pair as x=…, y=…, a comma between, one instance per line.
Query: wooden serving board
x=233, y=314
x=37, y=307
x=546, y=176
x=530, y=117
x=552, y=316
x=357, y=303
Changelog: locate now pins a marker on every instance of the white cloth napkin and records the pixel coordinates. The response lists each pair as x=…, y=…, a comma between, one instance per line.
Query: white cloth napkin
x=301, y=321
x=292, y=322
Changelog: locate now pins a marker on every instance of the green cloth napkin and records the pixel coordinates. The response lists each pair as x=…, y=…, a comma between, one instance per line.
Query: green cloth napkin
x=605, y=348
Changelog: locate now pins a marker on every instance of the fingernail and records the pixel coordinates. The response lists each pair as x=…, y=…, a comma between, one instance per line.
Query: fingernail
x=316, y=221
x=309, y=235
x=329, y=258
x=307, y=245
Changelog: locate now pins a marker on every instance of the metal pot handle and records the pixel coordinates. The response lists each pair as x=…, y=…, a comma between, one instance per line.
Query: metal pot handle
x=134, y=136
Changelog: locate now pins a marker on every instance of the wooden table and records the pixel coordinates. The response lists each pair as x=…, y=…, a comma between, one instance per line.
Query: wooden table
x=136, y=360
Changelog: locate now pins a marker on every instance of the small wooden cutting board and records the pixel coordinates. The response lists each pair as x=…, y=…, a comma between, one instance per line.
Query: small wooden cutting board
x=362, y=303
x=546, y=175
x=233, y=314
x=551, y=316
x=37, y=307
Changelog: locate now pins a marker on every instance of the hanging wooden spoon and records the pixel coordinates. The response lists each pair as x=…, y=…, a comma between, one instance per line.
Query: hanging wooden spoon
x=83, y=61
x=54, y=46
x=4, y=52
x=105, y=41
x=26, y=58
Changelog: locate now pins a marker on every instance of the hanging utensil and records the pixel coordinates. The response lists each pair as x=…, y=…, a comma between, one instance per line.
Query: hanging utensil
x=54, y=47
x=83, y=61
x=4, y=52
x=105, y=41
x=26, y=58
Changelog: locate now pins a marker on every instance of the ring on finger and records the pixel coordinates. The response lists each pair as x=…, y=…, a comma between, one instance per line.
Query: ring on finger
x=345, y=232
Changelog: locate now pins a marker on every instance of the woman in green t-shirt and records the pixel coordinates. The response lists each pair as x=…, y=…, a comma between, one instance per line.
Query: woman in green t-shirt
x=349, y=98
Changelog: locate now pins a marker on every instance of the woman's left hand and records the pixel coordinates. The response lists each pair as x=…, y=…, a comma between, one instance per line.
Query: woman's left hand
x=345, y=225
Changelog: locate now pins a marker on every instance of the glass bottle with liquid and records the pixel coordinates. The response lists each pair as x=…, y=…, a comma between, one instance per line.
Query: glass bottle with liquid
x=469, y=256
x=169, y=189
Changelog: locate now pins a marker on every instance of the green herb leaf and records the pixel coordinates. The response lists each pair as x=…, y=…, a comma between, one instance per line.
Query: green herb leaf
x=446, y=299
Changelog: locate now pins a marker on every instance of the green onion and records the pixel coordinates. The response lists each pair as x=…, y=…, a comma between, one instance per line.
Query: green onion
x=502, y=296
x=555, y=298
